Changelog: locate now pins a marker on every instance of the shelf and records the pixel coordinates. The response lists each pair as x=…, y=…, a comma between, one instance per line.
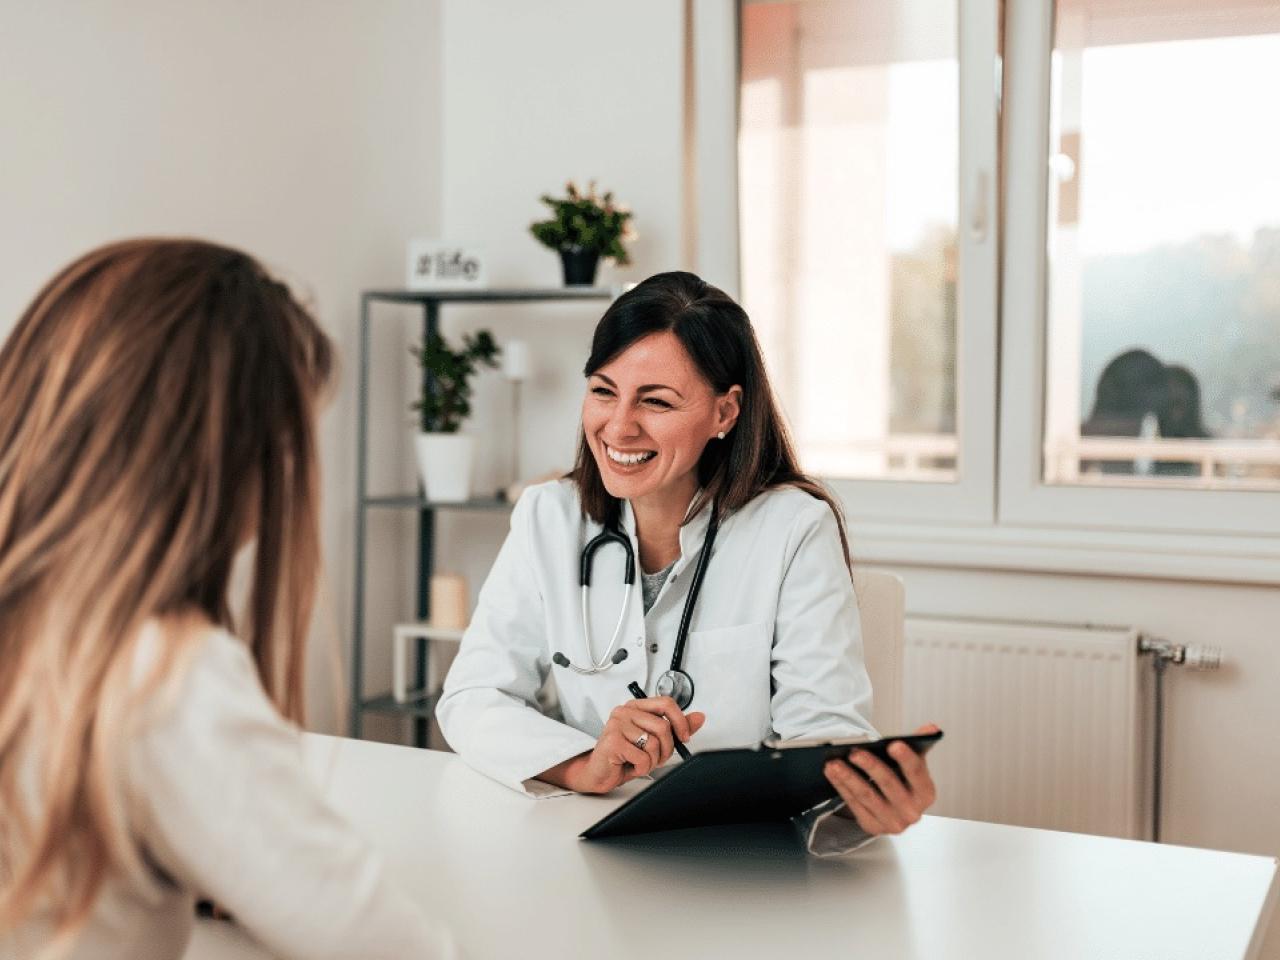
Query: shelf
x=406, y=501
x=428, y=632
x=430, y=304
x=513, y=295
x=422, y=707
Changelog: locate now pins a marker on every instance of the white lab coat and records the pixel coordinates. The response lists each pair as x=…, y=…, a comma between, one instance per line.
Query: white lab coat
x=774, y=648
x=219, y=803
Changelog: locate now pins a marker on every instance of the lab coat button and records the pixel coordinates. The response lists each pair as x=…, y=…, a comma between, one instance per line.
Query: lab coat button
x=653, y=648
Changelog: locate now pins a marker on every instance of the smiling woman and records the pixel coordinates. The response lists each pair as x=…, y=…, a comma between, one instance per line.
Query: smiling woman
x=690, y=368
x=646, y=439
x=683, y=461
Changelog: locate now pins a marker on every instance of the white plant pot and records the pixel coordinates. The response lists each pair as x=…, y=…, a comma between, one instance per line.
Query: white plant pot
x=444, y=463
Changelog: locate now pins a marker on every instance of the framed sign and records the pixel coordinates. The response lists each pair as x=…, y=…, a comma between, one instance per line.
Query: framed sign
x=442, y=266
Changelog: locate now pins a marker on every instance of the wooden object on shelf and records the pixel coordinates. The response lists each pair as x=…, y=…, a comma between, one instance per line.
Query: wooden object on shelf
x=449, y=604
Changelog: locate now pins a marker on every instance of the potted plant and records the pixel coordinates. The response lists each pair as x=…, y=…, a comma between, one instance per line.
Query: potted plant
x=582, y=229
x=444, y=454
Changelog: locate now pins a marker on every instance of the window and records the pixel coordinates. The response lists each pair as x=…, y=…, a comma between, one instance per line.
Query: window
x=1138, y=316
x=850, y=174
x=1163, y=345
x=848, y=202
x=1140, y=268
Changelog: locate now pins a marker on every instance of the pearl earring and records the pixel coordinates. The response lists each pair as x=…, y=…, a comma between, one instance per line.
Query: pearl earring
x=720, y=435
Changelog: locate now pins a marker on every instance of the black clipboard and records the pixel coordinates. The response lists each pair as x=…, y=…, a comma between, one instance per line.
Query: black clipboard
x=769, y=783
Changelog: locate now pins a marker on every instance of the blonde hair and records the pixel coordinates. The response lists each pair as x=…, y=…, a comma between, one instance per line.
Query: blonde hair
x=156, y=411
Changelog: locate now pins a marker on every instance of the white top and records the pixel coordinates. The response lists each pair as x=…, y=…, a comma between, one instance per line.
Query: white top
x=222, y=806
x=774, y=647
x=952, y=889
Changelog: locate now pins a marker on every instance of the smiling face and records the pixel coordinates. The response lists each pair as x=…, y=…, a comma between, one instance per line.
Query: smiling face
x=647, y=415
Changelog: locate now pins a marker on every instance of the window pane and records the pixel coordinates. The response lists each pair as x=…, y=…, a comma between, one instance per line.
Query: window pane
x=848, y=154
x=1163, y=348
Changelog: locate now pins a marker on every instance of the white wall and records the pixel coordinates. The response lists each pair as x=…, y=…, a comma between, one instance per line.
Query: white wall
x=534, y=95
x=305, y=132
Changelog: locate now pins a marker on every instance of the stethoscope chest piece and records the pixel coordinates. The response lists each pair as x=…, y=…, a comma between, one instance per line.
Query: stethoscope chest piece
x=677, y=685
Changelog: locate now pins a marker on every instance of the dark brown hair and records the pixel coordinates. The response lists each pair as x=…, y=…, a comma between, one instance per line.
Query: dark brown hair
x=156, y=412
x=757, y=454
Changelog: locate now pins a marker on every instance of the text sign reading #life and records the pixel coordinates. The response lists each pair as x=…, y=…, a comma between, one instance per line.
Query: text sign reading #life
x=441, y=266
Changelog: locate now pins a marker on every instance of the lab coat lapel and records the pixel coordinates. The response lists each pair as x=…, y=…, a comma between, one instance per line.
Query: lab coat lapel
x=693, y=533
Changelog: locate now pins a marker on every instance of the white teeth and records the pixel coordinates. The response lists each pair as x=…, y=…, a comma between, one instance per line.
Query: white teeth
x=628, y=458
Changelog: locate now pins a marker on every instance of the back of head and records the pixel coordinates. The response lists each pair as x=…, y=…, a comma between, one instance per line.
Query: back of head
x=1181, y=416
x=156, y=413
x=1132, y=385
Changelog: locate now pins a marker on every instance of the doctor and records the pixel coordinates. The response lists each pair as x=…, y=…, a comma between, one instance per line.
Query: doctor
x=739, y=611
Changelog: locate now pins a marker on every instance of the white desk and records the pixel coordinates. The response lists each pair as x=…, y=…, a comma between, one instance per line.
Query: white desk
x=512, y=878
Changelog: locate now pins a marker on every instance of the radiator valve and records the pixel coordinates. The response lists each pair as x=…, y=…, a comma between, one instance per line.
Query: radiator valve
x=1195, y=656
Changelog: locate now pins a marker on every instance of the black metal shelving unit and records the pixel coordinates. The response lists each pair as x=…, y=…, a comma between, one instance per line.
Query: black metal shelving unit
x=430, y=301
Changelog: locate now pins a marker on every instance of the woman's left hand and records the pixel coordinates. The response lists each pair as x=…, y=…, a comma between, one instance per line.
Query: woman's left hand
x=894, y=803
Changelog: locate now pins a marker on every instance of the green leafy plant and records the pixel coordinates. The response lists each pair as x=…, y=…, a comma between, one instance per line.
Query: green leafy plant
x=446, y=397
x=587, y=222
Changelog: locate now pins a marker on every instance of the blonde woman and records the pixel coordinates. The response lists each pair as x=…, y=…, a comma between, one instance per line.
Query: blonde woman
x=156, y=417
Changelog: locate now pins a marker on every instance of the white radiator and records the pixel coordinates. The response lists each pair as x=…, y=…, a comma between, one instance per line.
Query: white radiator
x=1042, y=722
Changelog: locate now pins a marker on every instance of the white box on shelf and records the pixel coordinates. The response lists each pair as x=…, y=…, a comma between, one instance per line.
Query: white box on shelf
x=435, y=265
x=401, y=634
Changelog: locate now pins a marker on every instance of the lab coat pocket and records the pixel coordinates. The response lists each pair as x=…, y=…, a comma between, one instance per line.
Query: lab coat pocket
x=730, y=671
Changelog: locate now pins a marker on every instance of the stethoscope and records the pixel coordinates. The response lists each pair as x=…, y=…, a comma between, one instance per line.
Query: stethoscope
x=674, y=682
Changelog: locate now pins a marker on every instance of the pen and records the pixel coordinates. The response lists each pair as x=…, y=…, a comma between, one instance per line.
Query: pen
x=637, y=691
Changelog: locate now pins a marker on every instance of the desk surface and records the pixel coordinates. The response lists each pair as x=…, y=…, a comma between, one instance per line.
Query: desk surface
x=511, y=876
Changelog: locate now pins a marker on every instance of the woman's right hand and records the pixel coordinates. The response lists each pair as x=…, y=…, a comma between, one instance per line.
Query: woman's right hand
x=616, y=758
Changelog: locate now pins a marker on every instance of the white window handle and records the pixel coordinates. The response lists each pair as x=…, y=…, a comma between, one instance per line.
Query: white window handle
x=978, y=208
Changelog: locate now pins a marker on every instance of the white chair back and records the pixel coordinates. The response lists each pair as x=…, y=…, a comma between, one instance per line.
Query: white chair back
x=882, y=612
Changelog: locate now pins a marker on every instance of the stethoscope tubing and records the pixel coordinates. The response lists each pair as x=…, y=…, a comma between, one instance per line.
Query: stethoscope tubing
x=611, y=534
x=695, y=588
x=603, y=664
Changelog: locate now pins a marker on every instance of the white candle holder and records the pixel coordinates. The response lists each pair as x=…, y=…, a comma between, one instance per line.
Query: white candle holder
x=517, y=366
x=404, y=637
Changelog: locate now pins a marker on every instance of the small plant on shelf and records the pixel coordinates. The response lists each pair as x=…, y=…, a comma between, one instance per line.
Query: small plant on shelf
x=446, y=400
x=444, y=454
x=583, y=228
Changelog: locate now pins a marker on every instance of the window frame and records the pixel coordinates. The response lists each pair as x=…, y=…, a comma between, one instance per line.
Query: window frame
x=969, y=499
x=1000, y=514
x=1024, y=499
